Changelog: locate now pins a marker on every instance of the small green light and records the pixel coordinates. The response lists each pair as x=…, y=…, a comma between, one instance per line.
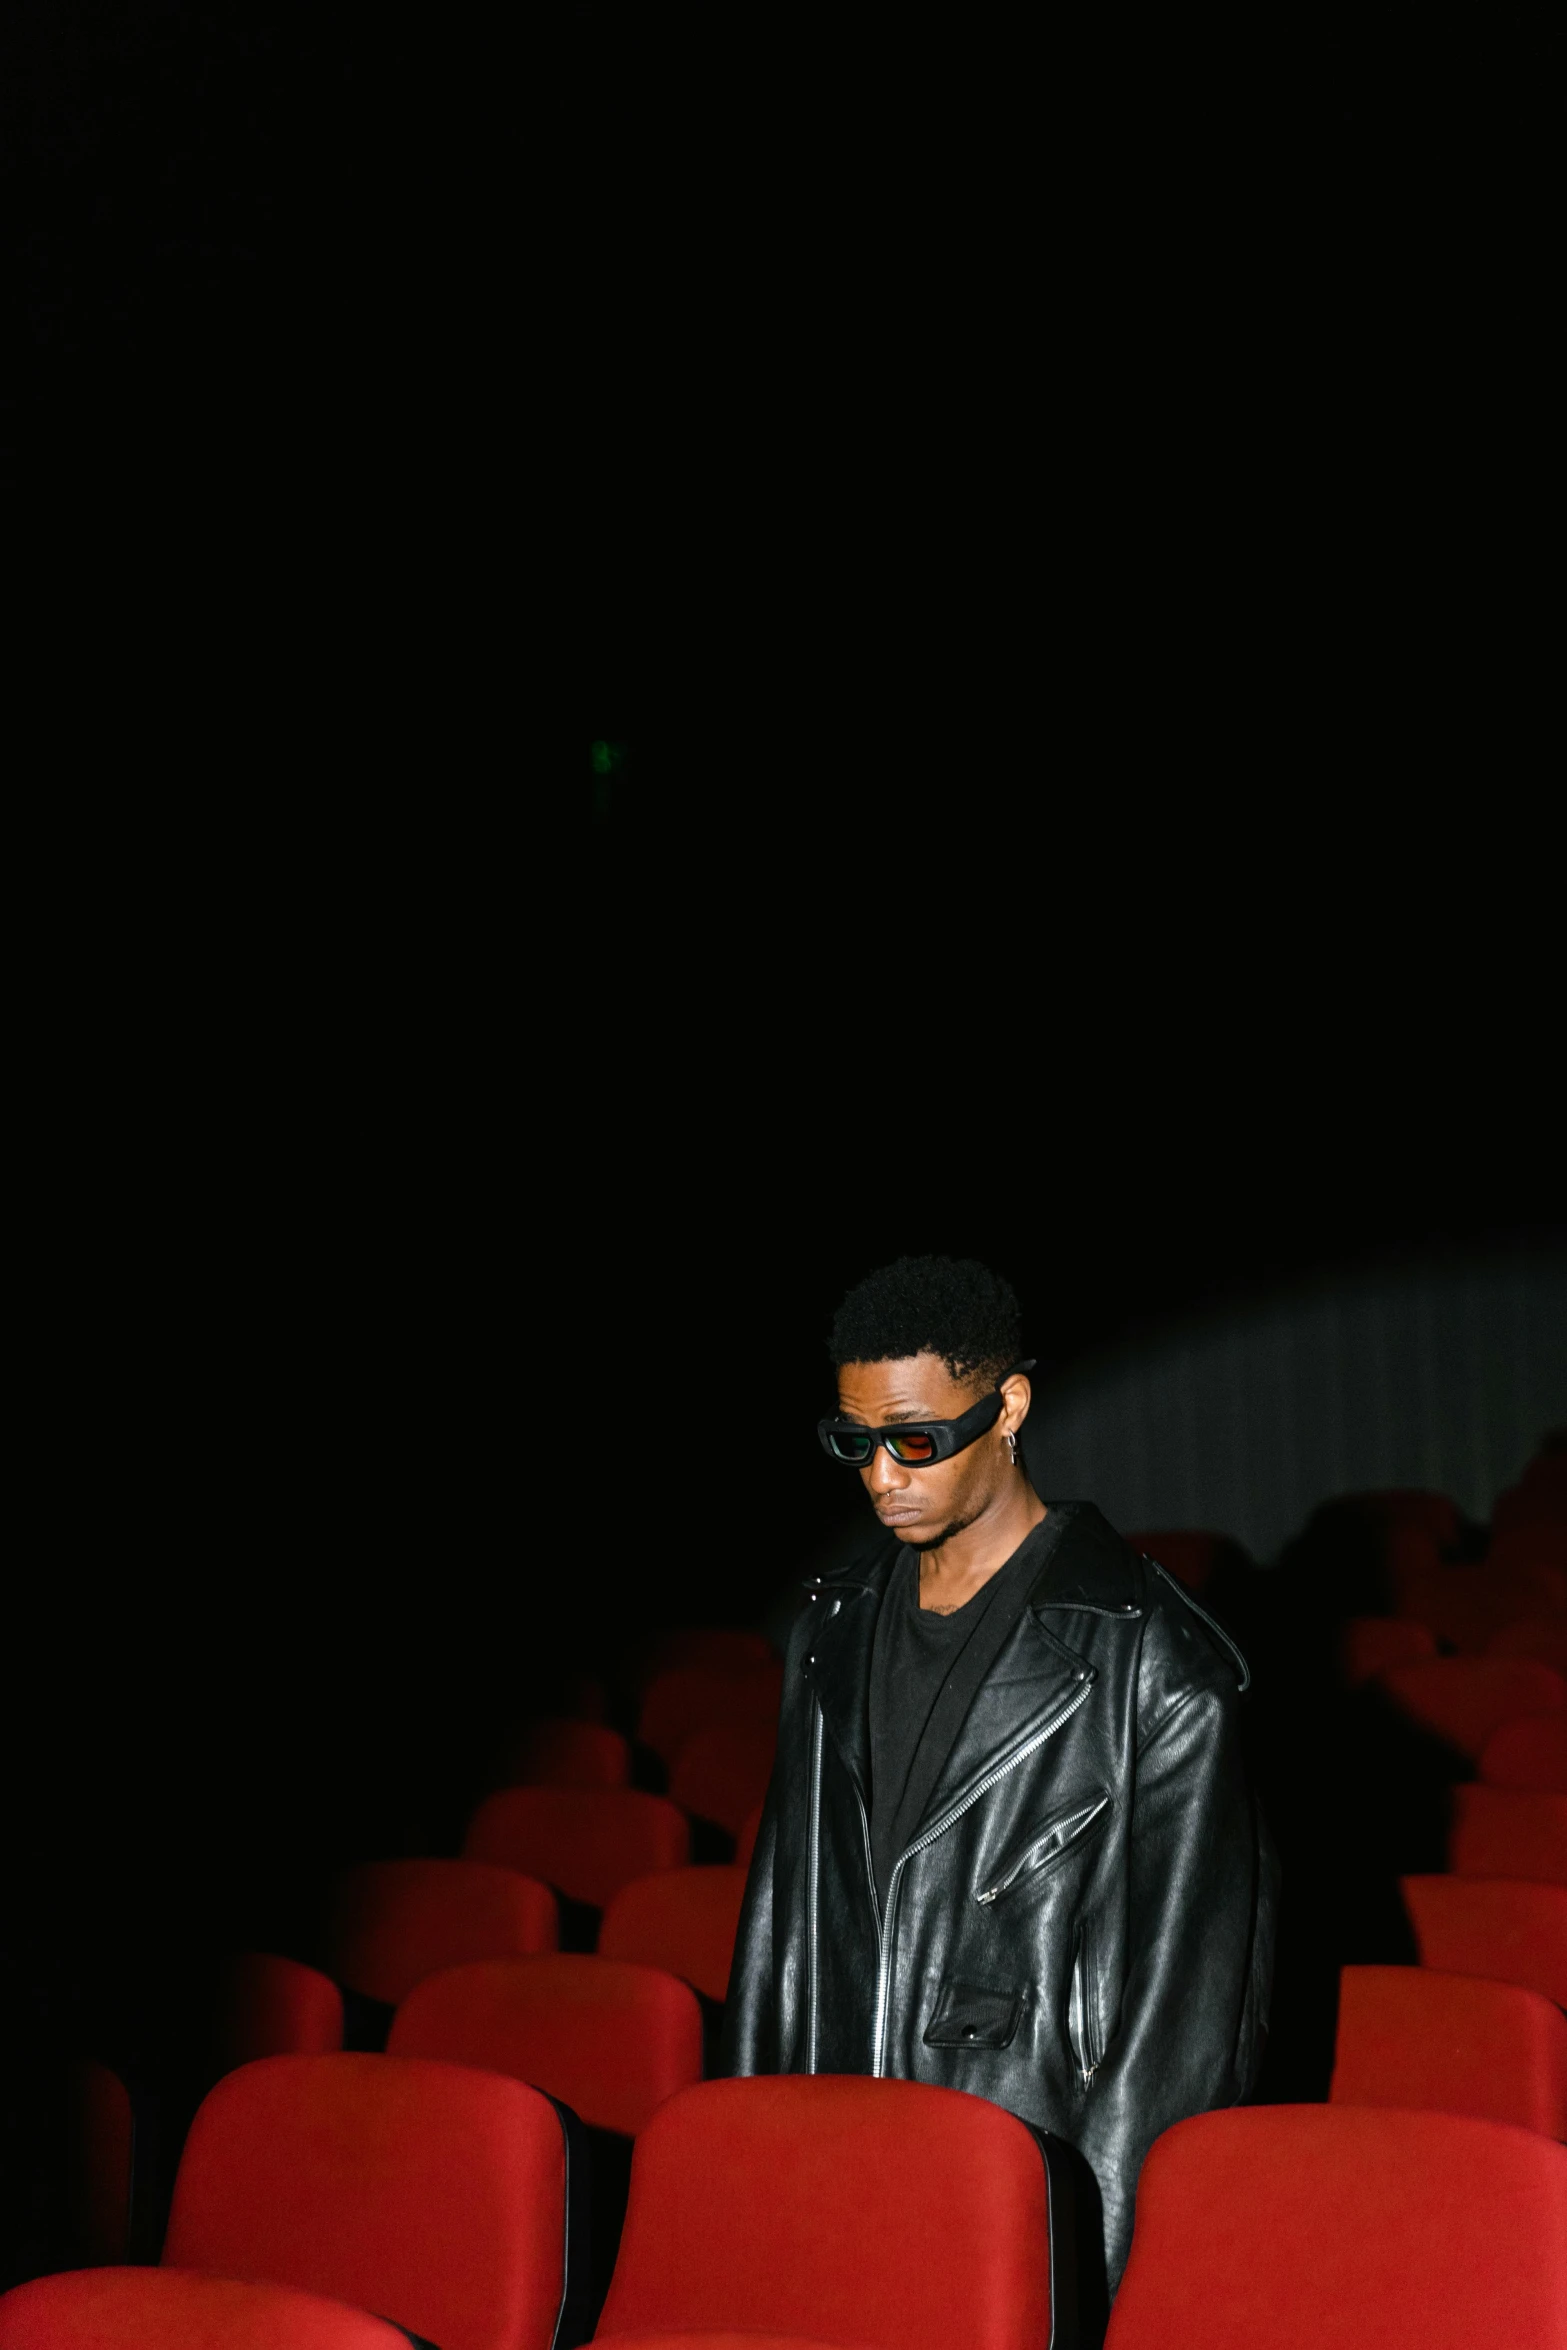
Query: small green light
x=606, y=757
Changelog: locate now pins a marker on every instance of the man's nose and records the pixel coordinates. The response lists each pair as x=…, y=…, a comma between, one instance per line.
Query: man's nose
x=884, y=1474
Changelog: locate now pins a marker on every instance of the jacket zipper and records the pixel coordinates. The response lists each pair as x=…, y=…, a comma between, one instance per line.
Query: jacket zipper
x=885, y=1924
x=1082, y=2020
x=813, y=1879
x=1028, y=1866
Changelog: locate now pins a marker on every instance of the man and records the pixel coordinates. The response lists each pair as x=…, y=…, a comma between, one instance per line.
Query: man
x=1010, y=1846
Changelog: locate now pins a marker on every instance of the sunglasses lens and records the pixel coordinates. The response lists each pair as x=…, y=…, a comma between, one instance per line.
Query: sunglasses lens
x=913, y=1446
x=849, y=1447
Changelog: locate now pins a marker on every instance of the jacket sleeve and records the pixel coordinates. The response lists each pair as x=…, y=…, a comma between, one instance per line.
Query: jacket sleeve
x=750, y=2035
x=1186, y=2037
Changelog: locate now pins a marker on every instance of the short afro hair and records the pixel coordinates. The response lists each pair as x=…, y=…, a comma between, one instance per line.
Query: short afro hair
x=946, y=1306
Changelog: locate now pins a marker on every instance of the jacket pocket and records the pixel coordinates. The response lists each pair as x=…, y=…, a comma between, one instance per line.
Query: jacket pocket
x=1082, y=2010
x=1045, y=1846
x=973, y=2015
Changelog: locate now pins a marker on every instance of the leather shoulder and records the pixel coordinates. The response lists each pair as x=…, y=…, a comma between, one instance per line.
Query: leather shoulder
x=1091, y=1567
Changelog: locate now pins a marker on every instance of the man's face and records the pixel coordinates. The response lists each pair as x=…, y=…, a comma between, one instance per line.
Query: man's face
x=923, y=1506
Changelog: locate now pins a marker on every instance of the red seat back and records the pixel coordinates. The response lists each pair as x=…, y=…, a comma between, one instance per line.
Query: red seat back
x=274, y=2007
x=689, y=1698
x=1542, y=1637
x=683, y=1920
x=430, y=2193
x=587, y=1841
x=721, y=1773
x=1537, y=1548
x=397, y=1921
x=720, y=2341
x=571, y=1754
x=708, y=1649
x=612, y=2041
x=1293, y=2227
x=882, y=2213
x=1188, y=1555
x=166, y=2309
x=1371, y=1643
x=1464, y=1698
x=1508, y=1931
x=1408, y=2036
x=1529, y=1754
x=1500, y=1832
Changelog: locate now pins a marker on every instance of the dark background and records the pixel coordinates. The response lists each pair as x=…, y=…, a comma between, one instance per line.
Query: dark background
x=1057, y=535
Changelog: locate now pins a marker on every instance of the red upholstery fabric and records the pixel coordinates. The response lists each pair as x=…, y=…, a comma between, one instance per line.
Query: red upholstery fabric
x=710, y=1649
x=1320, y=2227
x=430, y=2193
x=723, y=2341
x=164, y=2309
x=275, y=2007
x=721, y=1773
x=745, y=1842
x=1492, y=1926
x=1542, y=1637
x=885, y=2214
x=399, y=1920
x=1371, y=1643
x=683, y=1920
x=571, y=1754
x=587, y=1841
x=1188, y=1555
x=1500, y=1832
x=689, y=1698
x=1408, y=2036
x=1530, y=1755
x=1464, y=1698
x=103, y=2168
x=612, y=2041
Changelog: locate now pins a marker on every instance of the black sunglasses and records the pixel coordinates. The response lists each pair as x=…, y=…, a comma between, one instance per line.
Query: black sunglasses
x=914, y=1444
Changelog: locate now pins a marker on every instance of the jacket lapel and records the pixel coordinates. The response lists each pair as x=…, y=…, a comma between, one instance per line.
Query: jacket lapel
x=838, y=1658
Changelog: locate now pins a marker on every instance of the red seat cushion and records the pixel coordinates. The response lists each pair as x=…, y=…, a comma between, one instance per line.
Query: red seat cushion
x=1501, y=1832
x=885, y=2214
x=397, y=1921
x=681, y=1919
x=571, y=1754
x=1507, y=1931
x=612, y=2041
x=587, y=1841
x=1408, y=2036
x=165, y=2309
x=1465, y=1698
x=721, y=1773
x=1311, y=2227
x=1530, y=1755
x=430, y=2193
x=688, y=1698
x=275, y=2007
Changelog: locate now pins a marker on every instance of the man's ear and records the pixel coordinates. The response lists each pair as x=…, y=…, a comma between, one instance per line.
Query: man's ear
x=1016, y=1396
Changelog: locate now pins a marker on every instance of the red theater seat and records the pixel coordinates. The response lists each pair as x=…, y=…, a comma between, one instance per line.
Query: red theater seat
x=742, y=2216
x=745, y=1842
x=721, y=1773
x=571, y=1754
x=1320, y=2227
x=1530, y=1755
x=1542, y=1637
x=710, y=1649
x=275, y=2007
x=1508, y=1932
x=104, y=2163
x=1188, y=1555
x=689, y=1698
x=720, y=2341
x=400, y=1920
x=1498, y=1832
x=612, y=2041
x=1466, y=1607
x=429, y=2193
x=683, y=1920
x=1464, y=1698
x=1408, y=2036
x=166, y=2309
x=587, y=1841
x=1371, y=1643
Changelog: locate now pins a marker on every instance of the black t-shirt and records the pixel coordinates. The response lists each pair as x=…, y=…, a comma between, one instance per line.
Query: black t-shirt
x=915, y=1654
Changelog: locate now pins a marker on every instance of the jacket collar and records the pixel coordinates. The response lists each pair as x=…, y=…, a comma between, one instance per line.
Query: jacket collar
x=844, y=1608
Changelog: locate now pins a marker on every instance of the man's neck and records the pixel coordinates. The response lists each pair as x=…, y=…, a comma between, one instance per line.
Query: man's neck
x=951, y=1574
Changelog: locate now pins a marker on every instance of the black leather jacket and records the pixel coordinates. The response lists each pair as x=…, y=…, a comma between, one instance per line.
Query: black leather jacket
x=1081, y=1927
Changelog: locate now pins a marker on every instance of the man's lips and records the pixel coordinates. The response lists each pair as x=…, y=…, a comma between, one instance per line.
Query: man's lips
x=898, y=1517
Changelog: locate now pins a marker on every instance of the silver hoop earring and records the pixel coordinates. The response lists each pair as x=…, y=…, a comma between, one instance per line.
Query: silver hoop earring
x=1012, y=1448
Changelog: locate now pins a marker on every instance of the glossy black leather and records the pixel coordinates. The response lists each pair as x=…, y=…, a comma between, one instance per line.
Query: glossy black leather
x=1095, y=1790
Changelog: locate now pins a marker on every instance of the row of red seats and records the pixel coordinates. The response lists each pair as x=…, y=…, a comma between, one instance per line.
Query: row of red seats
x=315, y=2191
